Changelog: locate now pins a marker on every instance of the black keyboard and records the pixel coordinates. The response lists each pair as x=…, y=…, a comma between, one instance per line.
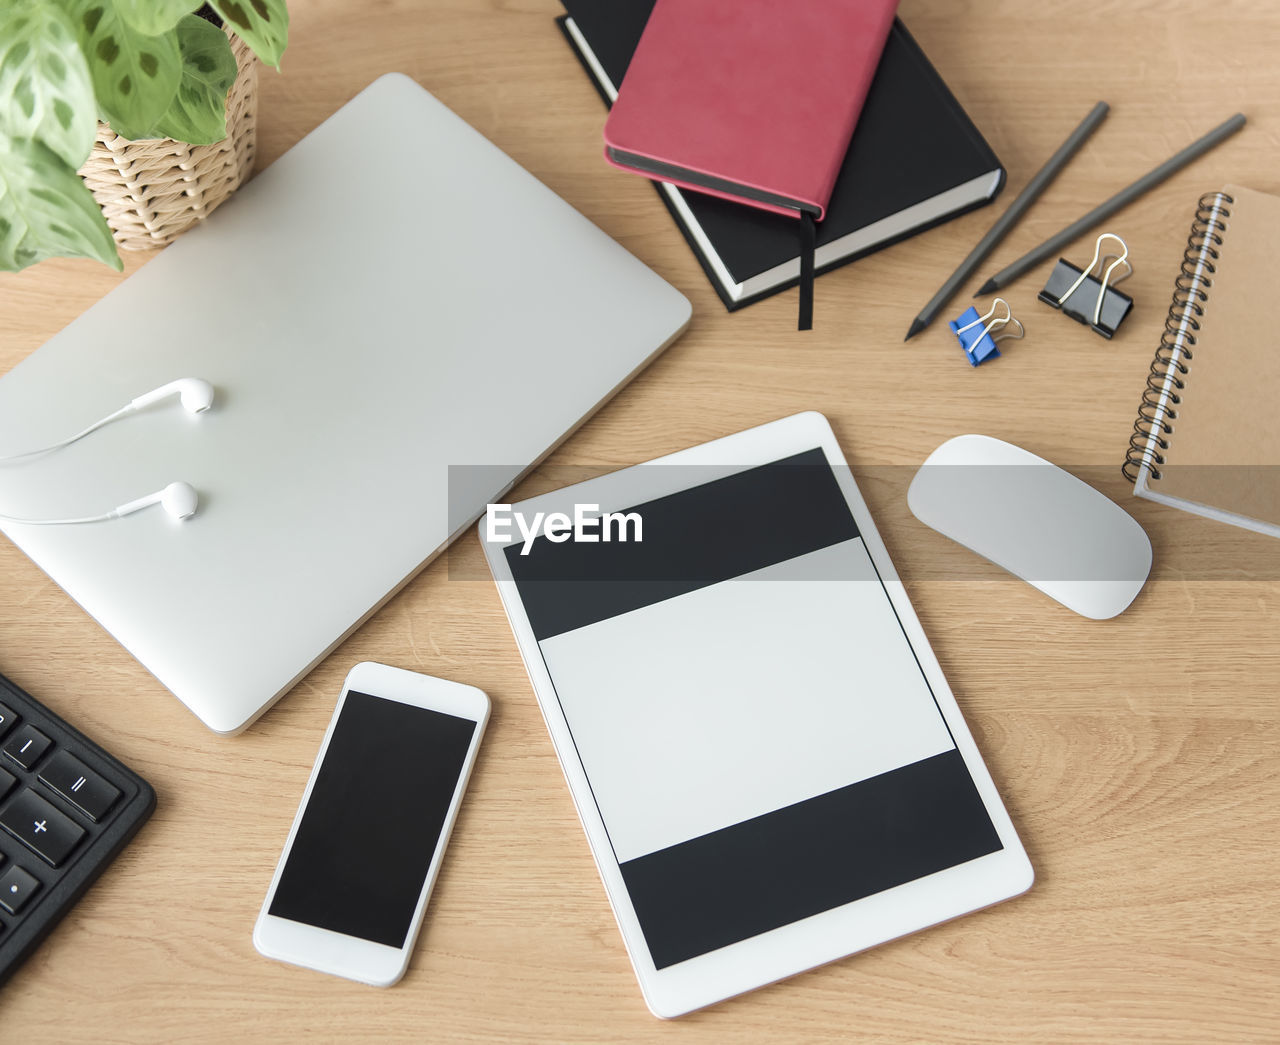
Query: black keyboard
x=66, y=809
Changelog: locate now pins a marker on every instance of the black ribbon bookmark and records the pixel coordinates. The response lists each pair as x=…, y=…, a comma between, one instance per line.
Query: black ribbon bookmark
x=808, y=242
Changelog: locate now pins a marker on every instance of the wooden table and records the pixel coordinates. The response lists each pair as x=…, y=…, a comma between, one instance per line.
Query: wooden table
x=1138, y=757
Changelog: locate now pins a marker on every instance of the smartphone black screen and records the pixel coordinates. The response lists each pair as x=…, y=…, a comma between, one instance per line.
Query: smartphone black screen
x=366, y=839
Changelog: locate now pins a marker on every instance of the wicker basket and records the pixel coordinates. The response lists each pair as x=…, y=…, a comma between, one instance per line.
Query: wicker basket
x=151, y=191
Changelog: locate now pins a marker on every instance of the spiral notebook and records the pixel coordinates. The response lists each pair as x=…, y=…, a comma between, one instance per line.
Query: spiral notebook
x=1206, y=439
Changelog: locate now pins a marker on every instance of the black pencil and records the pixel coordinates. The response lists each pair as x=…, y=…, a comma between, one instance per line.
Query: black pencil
x=997, y=232
x=1121, y=199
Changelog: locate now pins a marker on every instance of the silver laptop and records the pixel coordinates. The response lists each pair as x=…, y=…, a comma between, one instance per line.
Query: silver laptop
x=392, y=297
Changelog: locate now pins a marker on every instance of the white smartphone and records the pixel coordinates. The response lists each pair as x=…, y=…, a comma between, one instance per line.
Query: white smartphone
x=352, y=885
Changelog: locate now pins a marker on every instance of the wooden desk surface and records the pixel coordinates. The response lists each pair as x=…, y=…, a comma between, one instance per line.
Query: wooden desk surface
x=1137, y=757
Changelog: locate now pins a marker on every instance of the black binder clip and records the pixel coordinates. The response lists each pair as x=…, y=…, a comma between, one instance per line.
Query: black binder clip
x=1086, y=300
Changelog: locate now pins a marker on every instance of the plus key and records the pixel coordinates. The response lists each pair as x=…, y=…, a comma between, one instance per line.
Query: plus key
x=47, y=832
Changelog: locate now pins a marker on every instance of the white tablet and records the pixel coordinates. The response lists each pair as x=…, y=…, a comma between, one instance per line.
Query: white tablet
x=769, y=765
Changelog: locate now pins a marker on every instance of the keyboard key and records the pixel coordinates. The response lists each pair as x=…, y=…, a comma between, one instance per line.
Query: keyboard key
x=79, y=785
x=7, y=719
x=26, y=746
x=16, y=888
x=50, y=834
x=6, y=781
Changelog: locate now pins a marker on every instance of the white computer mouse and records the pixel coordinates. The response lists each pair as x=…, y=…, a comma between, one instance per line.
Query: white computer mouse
x=1040, y=523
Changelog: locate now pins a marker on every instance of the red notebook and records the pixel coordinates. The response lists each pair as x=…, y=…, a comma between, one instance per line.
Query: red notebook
x=752, y=100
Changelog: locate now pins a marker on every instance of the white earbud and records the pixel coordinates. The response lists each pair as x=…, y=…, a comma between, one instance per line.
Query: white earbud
x=195, y=393
x=179, y=500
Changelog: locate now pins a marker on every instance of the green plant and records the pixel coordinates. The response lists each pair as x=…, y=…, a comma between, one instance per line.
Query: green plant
x=149, y=68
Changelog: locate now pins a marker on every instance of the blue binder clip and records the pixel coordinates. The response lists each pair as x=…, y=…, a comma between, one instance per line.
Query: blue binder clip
x=977, y=334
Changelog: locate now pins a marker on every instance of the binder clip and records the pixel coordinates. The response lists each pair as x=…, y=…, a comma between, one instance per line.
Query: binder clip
x=977, y=334
x=1086, y=300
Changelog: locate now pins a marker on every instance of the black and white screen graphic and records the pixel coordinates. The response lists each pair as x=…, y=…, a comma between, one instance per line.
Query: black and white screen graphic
x=760, y=740
x=364, y=846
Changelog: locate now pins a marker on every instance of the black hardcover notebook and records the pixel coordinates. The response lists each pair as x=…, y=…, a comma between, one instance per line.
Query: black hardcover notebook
x=915, y=160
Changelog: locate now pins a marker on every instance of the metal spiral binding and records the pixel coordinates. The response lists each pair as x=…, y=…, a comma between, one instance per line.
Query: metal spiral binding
x=1165, y=381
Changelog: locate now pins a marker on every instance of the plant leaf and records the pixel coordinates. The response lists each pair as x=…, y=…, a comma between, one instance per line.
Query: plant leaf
x=44, y=81
x=198, y=114
x=262, y=24
x=135, y=76
x=153, y=17
x=46, y=210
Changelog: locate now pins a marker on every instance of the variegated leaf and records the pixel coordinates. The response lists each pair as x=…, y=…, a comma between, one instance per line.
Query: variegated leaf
x=46, y=210
x=198, y=112
x=44, y=81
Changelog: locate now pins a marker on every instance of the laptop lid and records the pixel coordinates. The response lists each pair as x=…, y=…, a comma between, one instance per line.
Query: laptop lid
x=394, y=297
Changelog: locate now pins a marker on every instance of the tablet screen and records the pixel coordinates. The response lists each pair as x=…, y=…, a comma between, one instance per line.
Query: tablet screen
x=759, y=738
